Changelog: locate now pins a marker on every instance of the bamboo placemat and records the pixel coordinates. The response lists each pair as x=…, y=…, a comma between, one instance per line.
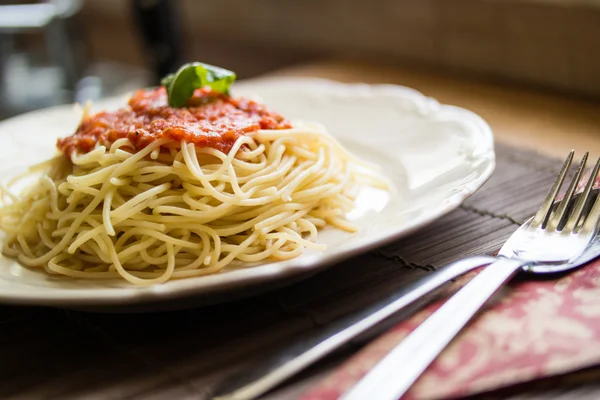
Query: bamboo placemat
x=51, y=353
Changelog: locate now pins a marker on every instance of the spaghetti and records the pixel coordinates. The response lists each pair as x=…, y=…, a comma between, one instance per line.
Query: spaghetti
x=174, y=209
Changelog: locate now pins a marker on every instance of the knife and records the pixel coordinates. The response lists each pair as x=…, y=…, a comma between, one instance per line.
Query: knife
x=304, y=351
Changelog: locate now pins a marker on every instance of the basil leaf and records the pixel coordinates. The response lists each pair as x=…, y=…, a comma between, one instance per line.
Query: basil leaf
x=181, y=85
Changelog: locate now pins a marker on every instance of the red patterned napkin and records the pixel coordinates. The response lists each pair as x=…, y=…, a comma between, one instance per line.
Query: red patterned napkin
x=534, y=329
x=537, y=329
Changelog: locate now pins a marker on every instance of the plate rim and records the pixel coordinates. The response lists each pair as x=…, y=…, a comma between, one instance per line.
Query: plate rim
x=134, y=296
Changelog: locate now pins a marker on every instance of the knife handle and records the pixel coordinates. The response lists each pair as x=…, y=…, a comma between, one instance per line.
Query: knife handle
x=281, y=365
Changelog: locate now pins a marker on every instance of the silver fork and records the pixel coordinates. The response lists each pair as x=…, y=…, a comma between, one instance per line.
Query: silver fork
x=552, y=241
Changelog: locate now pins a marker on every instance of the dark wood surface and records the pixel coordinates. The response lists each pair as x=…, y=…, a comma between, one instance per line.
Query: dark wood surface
x=51, y=353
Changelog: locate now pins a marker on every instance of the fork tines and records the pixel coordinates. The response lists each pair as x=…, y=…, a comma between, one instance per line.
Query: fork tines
x=568, y=216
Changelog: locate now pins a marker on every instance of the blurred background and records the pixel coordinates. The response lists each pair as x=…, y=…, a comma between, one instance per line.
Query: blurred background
x=60, y=51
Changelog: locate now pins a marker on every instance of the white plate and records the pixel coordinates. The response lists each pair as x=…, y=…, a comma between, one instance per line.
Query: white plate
x=435, y=155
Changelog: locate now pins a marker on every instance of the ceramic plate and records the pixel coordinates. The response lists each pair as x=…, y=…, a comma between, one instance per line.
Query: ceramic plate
x=435, y=156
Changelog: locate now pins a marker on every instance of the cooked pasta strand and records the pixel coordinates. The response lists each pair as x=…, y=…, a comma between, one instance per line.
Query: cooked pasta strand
x=175, y=210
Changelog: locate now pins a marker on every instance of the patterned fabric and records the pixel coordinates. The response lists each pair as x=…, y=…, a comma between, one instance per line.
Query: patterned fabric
x=531, y=329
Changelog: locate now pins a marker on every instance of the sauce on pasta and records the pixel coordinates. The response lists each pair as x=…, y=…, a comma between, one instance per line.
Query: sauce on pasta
x=150, y=192
x=209, y=119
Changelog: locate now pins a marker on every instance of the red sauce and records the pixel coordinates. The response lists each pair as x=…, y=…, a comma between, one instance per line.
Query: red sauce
x=209, y=119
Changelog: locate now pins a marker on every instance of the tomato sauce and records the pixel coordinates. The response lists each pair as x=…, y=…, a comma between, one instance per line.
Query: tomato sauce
x=209, y=119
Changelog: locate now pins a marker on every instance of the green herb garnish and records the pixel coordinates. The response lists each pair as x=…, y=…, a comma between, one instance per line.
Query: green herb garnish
x=181, y=85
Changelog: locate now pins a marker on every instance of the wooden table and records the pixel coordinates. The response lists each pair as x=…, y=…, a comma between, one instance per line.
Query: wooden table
x=550, y=123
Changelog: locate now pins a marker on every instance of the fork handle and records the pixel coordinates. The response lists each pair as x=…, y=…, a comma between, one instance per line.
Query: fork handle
x=399, y=369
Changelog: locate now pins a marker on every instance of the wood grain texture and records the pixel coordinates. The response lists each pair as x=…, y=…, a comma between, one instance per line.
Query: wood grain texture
x=50, y=353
